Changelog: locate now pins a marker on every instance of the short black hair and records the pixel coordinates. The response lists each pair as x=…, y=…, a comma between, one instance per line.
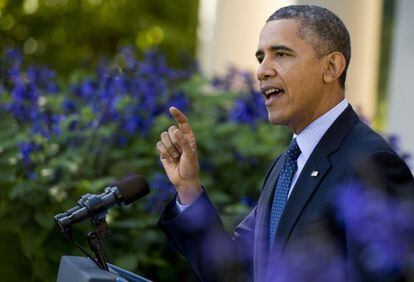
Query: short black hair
x=324, y=30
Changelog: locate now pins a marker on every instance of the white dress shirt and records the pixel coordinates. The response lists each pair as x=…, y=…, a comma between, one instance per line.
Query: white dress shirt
x=307, y=140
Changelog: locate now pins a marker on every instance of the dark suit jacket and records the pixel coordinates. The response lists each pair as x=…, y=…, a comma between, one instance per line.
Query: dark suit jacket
x=348, y=151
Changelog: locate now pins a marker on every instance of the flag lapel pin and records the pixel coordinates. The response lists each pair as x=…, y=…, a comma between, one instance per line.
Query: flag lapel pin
x=314, y=173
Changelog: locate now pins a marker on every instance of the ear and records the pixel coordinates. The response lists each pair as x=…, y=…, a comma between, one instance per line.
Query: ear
x=335, y=65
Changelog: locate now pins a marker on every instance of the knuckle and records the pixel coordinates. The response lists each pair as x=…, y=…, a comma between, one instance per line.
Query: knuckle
x=177, y=133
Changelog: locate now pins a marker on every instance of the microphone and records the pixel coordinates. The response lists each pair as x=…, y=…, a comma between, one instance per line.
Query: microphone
x=93, y=206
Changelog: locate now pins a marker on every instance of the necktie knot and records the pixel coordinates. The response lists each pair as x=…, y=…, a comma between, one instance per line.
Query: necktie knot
x=293, y=151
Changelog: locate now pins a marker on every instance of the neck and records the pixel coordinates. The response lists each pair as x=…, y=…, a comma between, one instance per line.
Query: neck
x=326, y=103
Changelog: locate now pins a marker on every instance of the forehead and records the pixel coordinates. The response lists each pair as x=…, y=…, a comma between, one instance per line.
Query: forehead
x=281, y=32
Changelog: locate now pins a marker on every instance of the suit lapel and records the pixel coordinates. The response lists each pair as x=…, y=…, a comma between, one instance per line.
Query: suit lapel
x=307, y=184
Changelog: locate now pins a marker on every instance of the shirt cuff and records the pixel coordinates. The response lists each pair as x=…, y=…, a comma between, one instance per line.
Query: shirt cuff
x=180, y=206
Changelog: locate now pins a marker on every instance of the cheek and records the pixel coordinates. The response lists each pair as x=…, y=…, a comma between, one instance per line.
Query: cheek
x=302, y=86
x=303, y=81
x=292, y=74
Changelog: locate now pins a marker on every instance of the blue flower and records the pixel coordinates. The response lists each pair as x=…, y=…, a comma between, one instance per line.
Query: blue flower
x=179, y=100
x=25, y=150
x=249, y=107
x=43, y=78
x=68, y=106
x=128, y=97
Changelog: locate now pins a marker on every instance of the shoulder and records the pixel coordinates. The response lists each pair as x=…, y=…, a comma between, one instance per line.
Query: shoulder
x=349, y=141
x=370, y=156
x=362, y=142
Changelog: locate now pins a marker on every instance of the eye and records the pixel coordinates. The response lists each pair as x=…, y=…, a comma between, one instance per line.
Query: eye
x=281, y=54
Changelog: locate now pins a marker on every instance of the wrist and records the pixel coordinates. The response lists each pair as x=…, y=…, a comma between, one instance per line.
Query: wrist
x=189, y=192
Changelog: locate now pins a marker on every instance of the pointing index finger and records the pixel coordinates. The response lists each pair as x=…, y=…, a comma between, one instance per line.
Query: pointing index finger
x=178, y=115
x=181, y=119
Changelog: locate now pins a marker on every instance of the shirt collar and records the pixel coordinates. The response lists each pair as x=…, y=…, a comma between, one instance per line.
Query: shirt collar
x=312, y=134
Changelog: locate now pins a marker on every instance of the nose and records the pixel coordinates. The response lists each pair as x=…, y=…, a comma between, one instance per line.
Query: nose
x=265, y=70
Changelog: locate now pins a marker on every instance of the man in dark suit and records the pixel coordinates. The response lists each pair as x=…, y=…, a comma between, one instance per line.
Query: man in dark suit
x=304, y=52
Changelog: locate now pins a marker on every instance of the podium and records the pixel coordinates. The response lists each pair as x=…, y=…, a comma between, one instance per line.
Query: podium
x=83, y=269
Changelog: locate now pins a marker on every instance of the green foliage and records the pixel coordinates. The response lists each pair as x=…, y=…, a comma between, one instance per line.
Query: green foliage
x=70, y=34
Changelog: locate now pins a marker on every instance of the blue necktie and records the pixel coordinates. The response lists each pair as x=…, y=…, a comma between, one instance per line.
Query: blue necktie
x=282, y=189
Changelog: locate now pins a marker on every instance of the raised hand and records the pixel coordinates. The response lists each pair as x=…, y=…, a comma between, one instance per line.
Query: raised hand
x=178, y=154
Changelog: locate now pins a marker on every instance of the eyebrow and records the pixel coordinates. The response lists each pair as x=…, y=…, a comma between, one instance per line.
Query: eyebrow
x=274, y=49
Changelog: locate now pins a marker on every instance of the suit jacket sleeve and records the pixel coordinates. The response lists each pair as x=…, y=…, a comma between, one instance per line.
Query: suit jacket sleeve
x=198, y=234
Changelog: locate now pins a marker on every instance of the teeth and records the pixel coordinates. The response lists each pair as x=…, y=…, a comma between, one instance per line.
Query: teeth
x=271, y=91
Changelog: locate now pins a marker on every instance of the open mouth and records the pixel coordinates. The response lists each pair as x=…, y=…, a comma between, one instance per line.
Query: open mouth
x=269, y=92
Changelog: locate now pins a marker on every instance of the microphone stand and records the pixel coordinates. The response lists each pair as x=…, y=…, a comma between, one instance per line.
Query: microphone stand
x=95, y=237
x=96, y=244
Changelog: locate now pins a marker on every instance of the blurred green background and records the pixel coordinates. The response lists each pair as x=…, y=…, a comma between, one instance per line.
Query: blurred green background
x=69, y=34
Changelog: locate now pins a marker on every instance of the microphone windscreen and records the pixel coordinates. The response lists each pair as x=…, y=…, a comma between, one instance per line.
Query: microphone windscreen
x=132, y=188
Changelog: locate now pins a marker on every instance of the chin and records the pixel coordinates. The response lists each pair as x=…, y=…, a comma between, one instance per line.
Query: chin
x=275, y=119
